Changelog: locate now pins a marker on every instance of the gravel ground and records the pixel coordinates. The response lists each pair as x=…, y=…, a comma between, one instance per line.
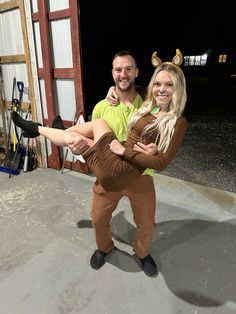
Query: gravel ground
x=208, y=154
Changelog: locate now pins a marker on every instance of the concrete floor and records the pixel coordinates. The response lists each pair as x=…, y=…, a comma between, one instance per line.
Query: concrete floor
x=47, y=241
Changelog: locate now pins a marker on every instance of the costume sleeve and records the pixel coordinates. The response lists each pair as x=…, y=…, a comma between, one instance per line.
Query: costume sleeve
x=160, y=160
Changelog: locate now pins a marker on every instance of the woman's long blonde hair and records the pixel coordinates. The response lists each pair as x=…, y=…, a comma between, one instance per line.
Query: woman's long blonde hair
x=165, y=124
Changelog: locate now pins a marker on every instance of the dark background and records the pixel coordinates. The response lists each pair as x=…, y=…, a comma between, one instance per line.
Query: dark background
x=148, y=26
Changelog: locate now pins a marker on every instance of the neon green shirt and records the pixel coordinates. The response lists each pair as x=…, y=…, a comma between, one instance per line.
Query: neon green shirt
x=118, y=118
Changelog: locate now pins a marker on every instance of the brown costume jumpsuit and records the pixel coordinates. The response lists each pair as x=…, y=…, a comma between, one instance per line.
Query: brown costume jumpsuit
x=140, y=192
x=116, y=172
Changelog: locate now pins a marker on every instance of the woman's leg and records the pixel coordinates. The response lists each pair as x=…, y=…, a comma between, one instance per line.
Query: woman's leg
x=61, y=137
x=91, y=131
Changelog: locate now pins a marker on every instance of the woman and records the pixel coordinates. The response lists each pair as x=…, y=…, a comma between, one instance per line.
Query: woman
x=159, y=120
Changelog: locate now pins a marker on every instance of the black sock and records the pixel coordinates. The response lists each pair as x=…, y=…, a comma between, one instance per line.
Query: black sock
x=57, y=123
x=30, y=128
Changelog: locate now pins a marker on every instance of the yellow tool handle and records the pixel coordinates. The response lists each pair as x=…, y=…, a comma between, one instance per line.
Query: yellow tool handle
x=14, y=136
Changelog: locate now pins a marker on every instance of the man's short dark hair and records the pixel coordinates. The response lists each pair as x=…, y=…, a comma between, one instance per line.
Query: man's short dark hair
x=123, y=53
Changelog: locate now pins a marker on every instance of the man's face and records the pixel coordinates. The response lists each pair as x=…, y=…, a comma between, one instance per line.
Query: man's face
x=124, y=72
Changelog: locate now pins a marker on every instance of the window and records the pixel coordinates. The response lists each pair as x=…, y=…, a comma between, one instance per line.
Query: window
x=222, y=58
x=199, y=60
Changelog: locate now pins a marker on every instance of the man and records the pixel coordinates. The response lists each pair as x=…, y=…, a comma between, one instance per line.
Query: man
x=141, y=195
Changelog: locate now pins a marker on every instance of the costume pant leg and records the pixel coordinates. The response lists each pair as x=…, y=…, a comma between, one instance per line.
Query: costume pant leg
x=103, y=205
x=142, y=197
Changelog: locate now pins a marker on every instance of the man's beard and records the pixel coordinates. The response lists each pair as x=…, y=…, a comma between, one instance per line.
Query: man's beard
x=125, y=89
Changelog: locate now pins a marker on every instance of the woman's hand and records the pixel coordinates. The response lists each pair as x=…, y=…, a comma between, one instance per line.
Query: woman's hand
x=77, y=145
x=150, y=149
x=112, y=96
x=117, y=148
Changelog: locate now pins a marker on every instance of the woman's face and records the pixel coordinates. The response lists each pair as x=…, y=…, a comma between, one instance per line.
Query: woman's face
x=163, y=88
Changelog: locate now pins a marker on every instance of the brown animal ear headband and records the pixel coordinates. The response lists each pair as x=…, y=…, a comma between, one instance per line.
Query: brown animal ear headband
x=176, y=61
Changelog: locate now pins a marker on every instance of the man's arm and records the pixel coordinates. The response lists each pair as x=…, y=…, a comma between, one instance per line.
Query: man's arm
x=113, y=98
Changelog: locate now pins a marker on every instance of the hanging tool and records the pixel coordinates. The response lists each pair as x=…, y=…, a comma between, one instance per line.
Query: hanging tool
x=14, y=106
x=12, y=161
x=16, y=103
x=3, y=136
x=20, y=86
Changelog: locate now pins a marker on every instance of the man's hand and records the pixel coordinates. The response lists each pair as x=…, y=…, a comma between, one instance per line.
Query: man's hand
x=77, y=145
x=117, y=148
x=112, y=96
x=150, y=149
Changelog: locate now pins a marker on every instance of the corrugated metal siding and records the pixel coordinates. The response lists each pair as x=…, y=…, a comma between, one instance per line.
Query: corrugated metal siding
x=62, y=58
x=34, y=5
x=11, y=39
x=66, y=98
x=18, y=71
x=55, y=5
x=61, y=44
x=11, y=43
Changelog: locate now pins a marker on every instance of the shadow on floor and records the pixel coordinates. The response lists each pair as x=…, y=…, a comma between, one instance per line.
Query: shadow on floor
x=196, y=257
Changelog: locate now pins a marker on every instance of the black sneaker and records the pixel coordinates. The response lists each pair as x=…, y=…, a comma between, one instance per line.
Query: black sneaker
x=149, y=265
x=98, y=259
x=30, y=128
x=57, y=123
